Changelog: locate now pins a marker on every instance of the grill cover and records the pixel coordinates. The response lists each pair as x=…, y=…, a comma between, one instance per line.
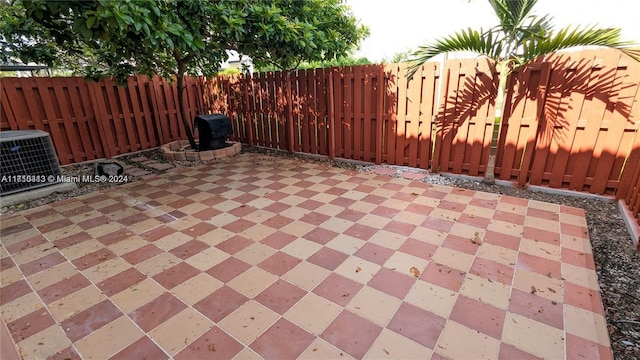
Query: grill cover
x=213, y=129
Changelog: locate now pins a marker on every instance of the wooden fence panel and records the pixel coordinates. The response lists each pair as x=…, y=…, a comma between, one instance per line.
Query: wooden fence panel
x=571, y=122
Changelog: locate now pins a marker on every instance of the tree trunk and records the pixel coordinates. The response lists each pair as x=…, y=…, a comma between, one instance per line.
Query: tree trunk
x=185, y=122
x=489, y=175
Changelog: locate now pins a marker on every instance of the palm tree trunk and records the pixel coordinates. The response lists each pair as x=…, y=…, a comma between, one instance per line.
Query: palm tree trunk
x=489, y=175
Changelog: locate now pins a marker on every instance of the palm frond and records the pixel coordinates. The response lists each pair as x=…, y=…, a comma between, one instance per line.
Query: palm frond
x=512, y=13
x=484, y=43
x=569, y=37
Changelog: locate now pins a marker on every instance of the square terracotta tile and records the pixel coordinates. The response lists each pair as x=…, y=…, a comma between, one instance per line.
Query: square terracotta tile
x=215, y=343
x=278, y=239
x=533, y=337
x=390, y=345
x=320, y=235
x=142, y=348
x=178, y=331
x=338, y=289
x=536, y=308
x=189, y=249
x=432, y=298
x=228, y=269
x=87, y=321
x=443, y=276
x=121, y=281
x=357, y=269
x=139, y=255
x=43, y=345
x=176, y=275
x=279, y=263
x=403, y=263
x=417, y=324
x=251, y=282
x=255, y=253
x=374, y=253
x=539, y=265
x=301, y=248
x=234, y=244
x=374, y=305
x=320, y=349
x=460, y=342
x=280, y=296
x=270, y=345
x=578, y=348
x=492, y=270
x=220, y=303
x=248, y=321
x=327, y=258
x=157, y=311
x=74, y=303
x=508, y=352
x=478, y=316
x=586, y=324
x=108, y=340
x=30, y=324
x=43, y=263
x=352, y=334
x=485, y=290
x=306, y=275
x=63, y=288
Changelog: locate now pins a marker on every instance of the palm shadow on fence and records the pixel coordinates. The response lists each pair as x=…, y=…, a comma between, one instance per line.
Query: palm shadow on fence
x=547, y=108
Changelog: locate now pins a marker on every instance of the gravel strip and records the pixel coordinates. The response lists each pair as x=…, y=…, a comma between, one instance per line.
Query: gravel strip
x=617, y=262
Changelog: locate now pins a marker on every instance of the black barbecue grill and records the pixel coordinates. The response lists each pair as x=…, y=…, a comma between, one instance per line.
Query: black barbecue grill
x=213, y=129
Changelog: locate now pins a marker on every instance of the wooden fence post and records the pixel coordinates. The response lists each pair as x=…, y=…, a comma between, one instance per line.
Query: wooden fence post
x=382, y=89
x=289, y=115
x=247, y=112
x=332, y=119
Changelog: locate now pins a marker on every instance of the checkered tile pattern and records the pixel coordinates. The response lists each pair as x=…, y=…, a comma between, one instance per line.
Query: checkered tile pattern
x=261, y=257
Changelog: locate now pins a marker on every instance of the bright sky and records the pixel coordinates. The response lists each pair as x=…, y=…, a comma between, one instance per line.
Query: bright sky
x=398, y=25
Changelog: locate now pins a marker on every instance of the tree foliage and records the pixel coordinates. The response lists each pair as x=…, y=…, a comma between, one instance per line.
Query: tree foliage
x=174, y=37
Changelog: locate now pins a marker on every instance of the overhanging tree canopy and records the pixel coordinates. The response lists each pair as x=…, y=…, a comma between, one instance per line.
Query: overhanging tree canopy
x=174, y=38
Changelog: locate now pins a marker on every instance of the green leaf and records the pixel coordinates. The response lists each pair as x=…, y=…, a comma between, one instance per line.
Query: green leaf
x=91, y=21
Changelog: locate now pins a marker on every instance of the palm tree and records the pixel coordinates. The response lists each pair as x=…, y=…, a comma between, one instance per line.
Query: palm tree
x=517, y=40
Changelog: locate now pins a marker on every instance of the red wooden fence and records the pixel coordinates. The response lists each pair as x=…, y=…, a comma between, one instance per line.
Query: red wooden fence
x=92, y=120
x=571, y=121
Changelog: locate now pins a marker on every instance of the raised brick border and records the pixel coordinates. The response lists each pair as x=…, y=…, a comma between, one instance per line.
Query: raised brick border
x=175, y=151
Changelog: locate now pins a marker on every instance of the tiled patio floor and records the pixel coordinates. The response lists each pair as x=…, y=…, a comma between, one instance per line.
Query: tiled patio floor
x=268, y=257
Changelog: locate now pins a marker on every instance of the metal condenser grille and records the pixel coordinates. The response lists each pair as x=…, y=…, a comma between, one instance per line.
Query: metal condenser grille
x=27, y=160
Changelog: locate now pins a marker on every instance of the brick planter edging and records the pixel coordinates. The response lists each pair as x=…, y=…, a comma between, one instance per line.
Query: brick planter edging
x=175, y=150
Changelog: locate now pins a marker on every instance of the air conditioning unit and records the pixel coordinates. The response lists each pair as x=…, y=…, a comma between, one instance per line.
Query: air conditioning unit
x=27, y=161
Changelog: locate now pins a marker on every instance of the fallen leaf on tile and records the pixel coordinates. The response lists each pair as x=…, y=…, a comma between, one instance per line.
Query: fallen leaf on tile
x=533, y=289
x=385, y=351
x=358, y=269
x=554, y=303
x=550, y=289
x=414, y=271
x=315, y=349
x=471, y=216
x=541, y=310
x=211, y=347
x=476, y=239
